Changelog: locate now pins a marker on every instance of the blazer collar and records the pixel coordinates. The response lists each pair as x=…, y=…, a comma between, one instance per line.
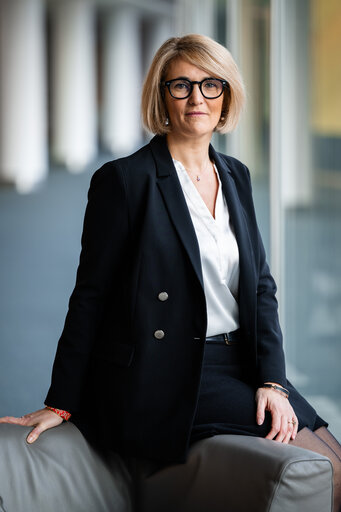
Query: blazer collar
x=162, y=156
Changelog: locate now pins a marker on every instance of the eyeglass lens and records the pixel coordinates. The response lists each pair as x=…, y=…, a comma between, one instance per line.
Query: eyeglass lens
x=210, y=88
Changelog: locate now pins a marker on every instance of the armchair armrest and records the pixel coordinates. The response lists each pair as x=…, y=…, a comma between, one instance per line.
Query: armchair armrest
x=60, y=472
x=227, y=473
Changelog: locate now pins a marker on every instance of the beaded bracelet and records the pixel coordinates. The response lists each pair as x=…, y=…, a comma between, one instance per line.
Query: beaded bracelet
x=63, y=414
x=284, y=391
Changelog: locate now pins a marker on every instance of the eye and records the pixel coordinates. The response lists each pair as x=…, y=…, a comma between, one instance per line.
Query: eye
x=211, y=84
x=180, y=85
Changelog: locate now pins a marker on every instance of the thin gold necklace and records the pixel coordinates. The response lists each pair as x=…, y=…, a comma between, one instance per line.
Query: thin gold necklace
x=198, y=178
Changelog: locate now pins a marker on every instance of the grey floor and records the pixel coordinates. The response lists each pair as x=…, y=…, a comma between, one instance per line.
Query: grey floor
x=40, y=243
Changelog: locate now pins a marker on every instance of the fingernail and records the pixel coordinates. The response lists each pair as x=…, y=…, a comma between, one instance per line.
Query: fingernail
x=30, y=439
x=259, y=421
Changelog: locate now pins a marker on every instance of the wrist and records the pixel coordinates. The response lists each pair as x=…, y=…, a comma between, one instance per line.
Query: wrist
x=276, y=387
x=63, y=414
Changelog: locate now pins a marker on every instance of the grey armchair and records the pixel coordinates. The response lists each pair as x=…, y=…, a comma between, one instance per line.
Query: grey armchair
x=62, y=472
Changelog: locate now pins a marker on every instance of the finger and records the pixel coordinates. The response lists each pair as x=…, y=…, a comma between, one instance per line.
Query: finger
x=295, y=429
x=11, y=419
x=287, y=438
x=33, y=436
x=23, y=420
x=289, y=433
x=260, y=415
x=275, y=427
x=283, y=429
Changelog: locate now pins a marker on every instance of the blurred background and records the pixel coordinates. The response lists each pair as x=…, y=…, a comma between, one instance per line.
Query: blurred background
x=71, y=73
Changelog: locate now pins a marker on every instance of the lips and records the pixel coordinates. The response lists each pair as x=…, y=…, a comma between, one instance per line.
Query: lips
x=196, y=113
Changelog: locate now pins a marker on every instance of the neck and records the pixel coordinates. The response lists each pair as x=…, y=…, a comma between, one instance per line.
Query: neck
x=192, y=153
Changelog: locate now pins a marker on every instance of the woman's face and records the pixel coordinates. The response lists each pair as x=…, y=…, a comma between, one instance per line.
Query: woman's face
x=196, y=115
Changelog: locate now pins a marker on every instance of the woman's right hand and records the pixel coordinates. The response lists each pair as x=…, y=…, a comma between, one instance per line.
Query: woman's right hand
x=41, y=420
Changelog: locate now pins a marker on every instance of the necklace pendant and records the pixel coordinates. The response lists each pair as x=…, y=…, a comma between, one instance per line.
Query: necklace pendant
x=198, y=178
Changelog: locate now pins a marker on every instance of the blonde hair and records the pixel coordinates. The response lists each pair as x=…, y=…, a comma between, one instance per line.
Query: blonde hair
x=206, y=54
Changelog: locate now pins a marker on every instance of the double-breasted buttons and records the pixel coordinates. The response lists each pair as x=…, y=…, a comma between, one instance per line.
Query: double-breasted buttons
x=159, y=334
x=162, y=296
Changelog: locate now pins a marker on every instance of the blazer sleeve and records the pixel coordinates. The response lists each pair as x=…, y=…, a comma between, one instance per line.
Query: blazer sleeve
x=104, y=243
x=270, y=354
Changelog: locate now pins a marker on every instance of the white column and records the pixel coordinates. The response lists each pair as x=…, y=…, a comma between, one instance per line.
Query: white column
x=298, y=190
x=74, y=108
x=195, y=16
x=290, y=102
x=290, y=159
x=122, y=80
x=234, y=140
x=23, y=138
x=159, y=30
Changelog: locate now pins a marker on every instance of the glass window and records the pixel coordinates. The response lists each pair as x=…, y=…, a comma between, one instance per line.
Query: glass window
x=312, y=248
x=247, y=37
x=306, y=248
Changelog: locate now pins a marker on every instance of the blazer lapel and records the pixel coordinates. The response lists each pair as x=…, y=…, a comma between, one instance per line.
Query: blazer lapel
x=246, y=259
x=172, y=193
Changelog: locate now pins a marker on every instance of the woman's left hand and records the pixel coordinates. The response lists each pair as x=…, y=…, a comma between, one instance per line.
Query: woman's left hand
x=284, y=421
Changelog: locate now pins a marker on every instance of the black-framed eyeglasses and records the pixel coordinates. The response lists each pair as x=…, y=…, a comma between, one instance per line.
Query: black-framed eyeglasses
x=181, y=88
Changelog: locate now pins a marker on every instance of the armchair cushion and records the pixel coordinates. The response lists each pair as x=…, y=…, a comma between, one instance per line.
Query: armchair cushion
x=60, y=472
x=231, y=473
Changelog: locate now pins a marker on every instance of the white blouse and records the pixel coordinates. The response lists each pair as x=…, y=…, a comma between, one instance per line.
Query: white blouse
x=219, y=255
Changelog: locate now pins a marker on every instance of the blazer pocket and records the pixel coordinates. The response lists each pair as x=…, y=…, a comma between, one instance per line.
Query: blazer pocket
x=118, y=353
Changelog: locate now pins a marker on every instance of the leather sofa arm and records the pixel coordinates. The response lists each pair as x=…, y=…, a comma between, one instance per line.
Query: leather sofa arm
x=230, y=473
x=60, y=472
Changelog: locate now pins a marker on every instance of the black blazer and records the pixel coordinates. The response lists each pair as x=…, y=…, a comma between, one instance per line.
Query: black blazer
x=125, y=387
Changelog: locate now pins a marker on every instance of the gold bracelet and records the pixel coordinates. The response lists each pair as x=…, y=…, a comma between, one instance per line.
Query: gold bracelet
x=284, y=391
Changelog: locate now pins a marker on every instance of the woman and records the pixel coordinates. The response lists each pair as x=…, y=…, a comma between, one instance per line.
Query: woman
x=172, y=332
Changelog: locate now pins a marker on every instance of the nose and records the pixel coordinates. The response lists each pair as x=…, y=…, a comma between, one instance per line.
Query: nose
x=196, y=95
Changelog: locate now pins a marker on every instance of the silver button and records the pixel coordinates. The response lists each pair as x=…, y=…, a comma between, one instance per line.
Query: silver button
x=159, y=334
x=163, y=296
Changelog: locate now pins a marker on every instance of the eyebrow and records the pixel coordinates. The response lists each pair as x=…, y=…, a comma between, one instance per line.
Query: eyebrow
x=186, y=78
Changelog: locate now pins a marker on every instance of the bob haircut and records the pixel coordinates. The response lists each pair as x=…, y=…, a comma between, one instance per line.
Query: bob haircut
x=206, y=54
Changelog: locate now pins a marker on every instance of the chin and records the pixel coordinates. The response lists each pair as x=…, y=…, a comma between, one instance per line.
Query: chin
x=200, y=132
x=201, y=127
